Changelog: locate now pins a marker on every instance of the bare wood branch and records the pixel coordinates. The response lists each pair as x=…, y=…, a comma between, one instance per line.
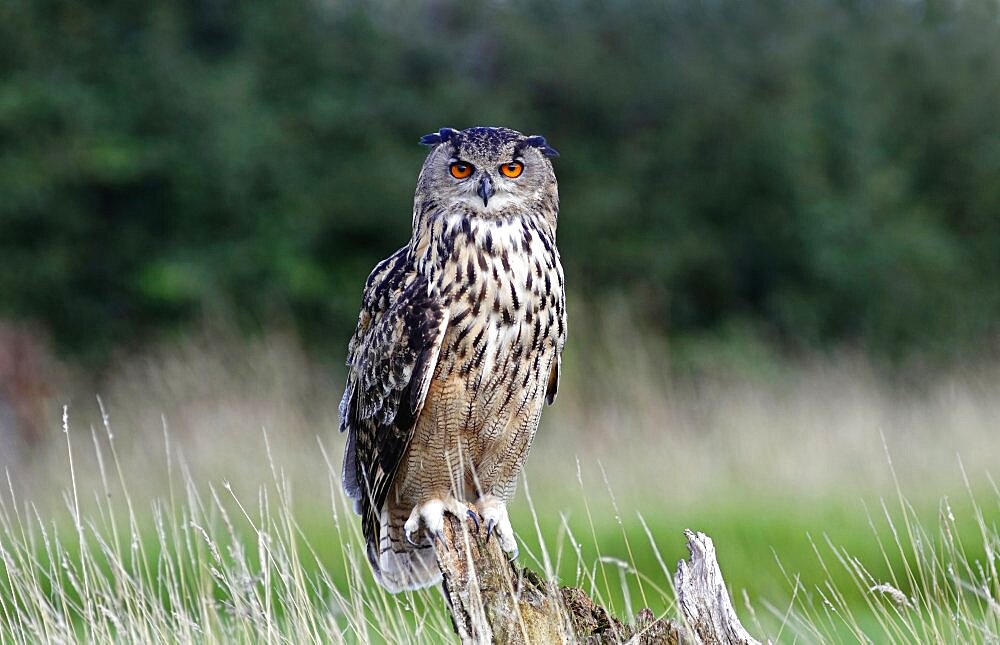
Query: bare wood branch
x=704, y=599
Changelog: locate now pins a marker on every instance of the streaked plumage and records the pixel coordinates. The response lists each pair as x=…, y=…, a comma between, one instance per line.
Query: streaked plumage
x=457, y=347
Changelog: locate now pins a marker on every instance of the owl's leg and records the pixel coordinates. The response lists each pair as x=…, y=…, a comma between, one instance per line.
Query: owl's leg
x=431, y=515
x=493, y=510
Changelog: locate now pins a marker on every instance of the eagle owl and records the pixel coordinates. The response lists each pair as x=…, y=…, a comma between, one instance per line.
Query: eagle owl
x=457, y=347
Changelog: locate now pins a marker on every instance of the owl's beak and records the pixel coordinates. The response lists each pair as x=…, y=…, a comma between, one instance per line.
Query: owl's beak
x=485, y=189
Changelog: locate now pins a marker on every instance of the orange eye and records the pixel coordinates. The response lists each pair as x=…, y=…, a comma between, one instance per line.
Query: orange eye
x=512, y=169
x=460, y=170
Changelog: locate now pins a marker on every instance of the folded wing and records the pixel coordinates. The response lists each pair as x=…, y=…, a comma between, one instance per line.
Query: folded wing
x=391, y=361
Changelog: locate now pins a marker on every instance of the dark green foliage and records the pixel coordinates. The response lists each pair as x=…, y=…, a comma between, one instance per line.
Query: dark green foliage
x=819, y=171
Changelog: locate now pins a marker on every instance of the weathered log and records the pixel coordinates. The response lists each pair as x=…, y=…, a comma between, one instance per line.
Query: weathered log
x=492, y=601
x=703, y=597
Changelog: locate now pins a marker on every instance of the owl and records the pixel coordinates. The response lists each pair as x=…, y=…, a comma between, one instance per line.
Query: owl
x=457, y=348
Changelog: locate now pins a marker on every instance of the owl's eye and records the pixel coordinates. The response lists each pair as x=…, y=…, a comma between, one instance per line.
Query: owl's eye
x=512, y=169
x=460, y=169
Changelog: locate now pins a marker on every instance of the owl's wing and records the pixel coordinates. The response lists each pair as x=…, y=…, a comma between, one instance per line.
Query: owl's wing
x=391, y=361
x=552, y=387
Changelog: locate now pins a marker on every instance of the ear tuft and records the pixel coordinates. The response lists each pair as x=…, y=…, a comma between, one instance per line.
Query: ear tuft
x=434, y=138
x=538, y=141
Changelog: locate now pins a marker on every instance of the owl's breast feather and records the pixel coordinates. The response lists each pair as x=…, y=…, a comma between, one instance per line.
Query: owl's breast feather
x=502, y=284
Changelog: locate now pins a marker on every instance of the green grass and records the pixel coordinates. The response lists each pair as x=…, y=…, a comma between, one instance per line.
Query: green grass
x=179, y=519
x=203, y=563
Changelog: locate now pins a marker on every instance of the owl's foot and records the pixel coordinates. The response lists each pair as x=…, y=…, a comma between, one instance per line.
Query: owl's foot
x=493, y=510
x=431, y=515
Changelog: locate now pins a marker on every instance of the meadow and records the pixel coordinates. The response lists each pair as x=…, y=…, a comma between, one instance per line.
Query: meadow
x=782, y=217
x=198, y=499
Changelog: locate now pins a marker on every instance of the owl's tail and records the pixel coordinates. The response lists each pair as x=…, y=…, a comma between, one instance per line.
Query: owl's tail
x=397, y=564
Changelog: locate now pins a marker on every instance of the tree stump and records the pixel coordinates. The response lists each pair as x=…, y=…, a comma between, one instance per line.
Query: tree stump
x=493, y=601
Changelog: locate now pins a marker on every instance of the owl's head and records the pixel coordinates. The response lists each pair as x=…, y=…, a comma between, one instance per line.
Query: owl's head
x=489, y=171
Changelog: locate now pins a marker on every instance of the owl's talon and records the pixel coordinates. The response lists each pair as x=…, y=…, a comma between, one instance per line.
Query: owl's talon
x=494, y=511
x=513, y=554
x=474, y=517
x=429, y=517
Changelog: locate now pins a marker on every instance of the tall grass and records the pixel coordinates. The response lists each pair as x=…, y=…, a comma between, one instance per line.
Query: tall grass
x=202, y=563
x=939, y=589
x=200, y=501
x=198, y=564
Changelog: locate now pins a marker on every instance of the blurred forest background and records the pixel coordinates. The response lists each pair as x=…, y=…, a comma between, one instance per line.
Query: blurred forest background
x=811, y=173
x=780, y=224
